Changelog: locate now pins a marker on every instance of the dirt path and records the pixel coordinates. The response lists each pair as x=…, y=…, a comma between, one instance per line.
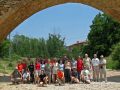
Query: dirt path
x=112, y=84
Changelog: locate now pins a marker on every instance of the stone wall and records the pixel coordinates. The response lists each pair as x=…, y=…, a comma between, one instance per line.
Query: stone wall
x=14, y=12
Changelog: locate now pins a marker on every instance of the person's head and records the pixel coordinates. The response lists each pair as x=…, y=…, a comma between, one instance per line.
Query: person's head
x=16, y=68
x=101, y=56
x=95, y=55
x=86, y=55
x=79, y=56
x=42, y=72
x=85, y=67
x=31, y=63
x=61, y=62
x=74, y=69
x=42, y=62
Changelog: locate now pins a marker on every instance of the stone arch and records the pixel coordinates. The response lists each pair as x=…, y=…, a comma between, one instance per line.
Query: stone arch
x=13, y=12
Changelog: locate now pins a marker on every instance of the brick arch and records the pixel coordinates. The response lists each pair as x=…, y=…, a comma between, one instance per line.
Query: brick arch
x=13, y=12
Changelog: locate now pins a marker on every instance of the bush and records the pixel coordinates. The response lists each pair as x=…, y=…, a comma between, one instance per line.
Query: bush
x=116, y=52
x=111, y=64
x=115, y=56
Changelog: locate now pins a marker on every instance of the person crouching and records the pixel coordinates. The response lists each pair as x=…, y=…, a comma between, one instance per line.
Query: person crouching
x=85, y=76
x=16, y=76
x=26, y=76
x=60, y=77
x=43, y=78
x=74, y=76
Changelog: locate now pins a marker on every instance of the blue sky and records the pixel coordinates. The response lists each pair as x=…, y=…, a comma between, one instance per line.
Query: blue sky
x=70, y=20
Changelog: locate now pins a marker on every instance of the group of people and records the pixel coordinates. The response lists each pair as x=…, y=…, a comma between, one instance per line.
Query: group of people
x=60, y=71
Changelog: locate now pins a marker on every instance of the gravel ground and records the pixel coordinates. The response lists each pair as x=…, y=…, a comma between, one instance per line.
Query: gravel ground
x=112, y=84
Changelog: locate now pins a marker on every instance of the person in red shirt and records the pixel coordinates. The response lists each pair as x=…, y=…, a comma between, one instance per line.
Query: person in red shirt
x=37, y=71
x=24, y=64
x=79, y=66
x=20, y=66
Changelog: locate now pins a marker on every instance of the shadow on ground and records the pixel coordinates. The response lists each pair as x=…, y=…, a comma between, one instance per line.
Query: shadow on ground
x=114, y=78
x=5, y=78
x=110, y=79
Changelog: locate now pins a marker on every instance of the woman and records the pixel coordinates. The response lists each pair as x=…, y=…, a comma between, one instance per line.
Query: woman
x=37, y=71
x=54, y=70
x=67, y=71
x=48, y=70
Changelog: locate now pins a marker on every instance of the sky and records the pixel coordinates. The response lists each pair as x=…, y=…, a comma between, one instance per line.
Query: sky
x=70, y=20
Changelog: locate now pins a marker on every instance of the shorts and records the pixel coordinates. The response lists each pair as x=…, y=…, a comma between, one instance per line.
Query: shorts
x=96, y=68
x=37, y=72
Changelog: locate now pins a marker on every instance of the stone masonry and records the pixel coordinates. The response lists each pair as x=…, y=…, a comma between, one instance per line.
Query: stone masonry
x=14, y=12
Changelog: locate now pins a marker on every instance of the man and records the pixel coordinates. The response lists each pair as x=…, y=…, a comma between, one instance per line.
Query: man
x=85, y=75
x=95, y=64
x=79, y=66
x=31, y=69
x=103, y=68
x=43, y=78
x=16, y=76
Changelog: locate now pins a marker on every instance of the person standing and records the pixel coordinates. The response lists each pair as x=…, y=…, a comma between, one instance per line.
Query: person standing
x=95, y=64
x=88, y=64
x=79, y=66
x=61, y=71
x=67, y=71
x=48, y=69
x=54, y=70
x=103, y=68
x=37, y=70
x=31, y=70
x=74, y=63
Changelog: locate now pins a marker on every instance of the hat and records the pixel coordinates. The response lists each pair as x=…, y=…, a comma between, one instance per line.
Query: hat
x=101, y=56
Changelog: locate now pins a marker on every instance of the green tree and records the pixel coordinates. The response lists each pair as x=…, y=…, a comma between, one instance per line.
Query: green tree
x=104, y=33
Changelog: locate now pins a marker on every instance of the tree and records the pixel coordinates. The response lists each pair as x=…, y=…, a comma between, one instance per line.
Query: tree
x=55, y=43
x=104, y=33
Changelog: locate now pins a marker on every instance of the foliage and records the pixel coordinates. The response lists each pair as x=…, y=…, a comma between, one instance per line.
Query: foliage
x=104, y=33
x=4, y=48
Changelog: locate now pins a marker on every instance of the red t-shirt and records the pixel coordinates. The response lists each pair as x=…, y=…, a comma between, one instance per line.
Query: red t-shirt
x=79, y=65
x=20, y=67
x=24, y=65
x=60, y=74
x=37, y=66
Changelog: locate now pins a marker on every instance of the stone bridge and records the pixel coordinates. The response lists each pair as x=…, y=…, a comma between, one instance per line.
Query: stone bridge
x=14, y=12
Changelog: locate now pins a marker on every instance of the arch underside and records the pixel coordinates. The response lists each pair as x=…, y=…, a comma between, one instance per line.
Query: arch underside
x=14, y=12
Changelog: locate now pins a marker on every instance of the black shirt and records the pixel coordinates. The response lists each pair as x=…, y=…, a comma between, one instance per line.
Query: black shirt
x=31, y=68
x=74, y=74
x=42, y=77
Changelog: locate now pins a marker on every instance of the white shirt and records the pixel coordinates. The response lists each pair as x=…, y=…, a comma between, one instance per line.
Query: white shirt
x=103, y=61
x=86, y=74
x=95, y=62
x=26, y=75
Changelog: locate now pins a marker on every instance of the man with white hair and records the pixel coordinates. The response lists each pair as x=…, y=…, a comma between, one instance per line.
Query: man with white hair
x=103, y=68
x=95, y=64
